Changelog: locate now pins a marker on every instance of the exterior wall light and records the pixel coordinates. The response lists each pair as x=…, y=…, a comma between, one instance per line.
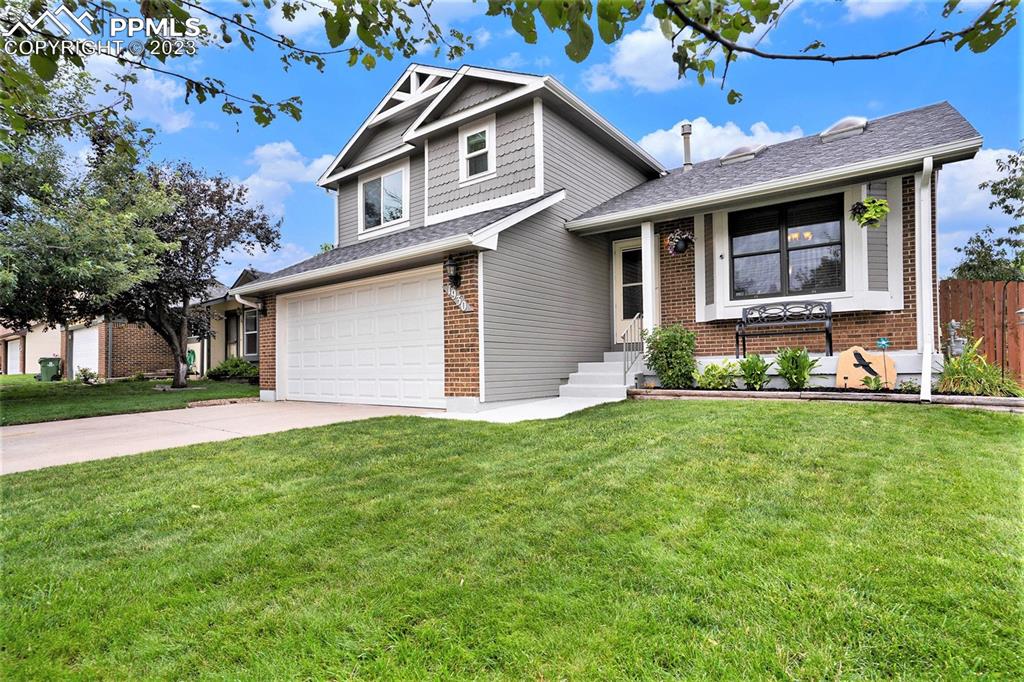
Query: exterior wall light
x=451, y=271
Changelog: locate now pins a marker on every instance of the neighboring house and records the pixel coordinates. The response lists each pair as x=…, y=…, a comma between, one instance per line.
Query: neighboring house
x=234, y=327
x=114, y=349
x=22, y=349
x=493, y=233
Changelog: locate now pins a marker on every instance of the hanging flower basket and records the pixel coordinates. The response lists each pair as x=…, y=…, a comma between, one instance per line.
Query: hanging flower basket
x=679, y=241
x=870, y=212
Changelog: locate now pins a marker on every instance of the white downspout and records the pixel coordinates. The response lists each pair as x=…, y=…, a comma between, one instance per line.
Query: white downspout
x=924, y=281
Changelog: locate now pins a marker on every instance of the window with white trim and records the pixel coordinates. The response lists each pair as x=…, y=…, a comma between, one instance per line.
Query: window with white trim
x=251, y=332
x=384, y=198
x=476, y=150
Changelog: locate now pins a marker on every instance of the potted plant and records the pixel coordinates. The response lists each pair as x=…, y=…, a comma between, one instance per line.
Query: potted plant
x=679, y=241
x=870, y=212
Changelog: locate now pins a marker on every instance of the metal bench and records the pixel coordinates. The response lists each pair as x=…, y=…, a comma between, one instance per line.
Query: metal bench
x=782, y=319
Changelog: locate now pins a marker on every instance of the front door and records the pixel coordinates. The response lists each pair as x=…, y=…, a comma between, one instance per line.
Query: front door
x=627, y=284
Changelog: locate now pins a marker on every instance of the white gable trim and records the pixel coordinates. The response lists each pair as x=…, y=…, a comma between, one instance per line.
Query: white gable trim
x=369, y=163
x=418, y=129
x=376, y=116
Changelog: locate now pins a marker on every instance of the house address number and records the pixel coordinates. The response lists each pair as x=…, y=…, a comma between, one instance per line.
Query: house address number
x=458, y=298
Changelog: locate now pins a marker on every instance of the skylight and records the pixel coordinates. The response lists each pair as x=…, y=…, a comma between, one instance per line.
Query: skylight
x=845, y=127
x=744, y=153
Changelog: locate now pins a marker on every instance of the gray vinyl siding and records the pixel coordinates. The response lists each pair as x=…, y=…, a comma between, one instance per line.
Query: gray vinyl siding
x=348, y=206
x=546, y=292
x=477, y=93
x=546, y=307
x=878, y=244
x=709, y=259
x=514, y=161
x=384, y=138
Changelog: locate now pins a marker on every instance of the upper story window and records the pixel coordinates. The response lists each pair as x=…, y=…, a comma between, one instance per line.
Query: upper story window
x=476, y=150
x=384, y=197
x=793, y=249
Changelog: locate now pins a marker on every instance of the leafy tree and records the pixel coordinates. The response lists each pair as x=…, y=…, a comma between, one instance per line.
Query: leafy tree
x=985, y=256
x=71, y=240
x=211, y=218
x=708, y=36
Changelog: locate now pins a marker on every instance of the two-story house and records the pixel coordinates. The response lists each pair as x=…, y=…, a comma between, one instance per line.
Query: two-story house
x=496, y=238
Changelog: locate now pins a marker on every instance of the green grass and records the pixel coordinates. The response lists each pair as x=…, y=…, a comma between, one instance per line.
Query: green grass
x=23, y=400
x=711, y=540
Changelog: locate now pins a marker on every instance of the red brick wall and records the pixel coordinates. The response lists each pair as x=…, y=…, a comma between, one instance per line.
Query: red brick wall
x=267, y=327
x=462, y=334
x=136, y=348
x=848, y=329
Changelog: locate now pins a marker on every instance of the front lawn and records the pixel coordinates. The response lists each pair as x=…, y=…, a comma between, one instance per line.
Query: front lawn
x=23, y=400
x=703, y=539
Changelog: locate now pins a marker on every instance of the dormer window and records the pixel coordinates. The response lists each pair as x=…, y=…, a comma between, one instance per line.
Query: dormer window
x=476, y=151
x=384, y=198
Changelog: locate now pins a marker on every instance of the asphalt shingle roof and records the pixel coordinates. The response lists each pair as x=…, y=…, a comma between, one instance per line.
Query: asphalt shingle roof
x=400, y=240
x=887, y=136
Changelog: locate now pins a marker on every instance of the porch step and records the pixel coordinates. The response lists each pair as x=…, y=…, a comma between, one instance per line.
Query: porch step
x=587, y=391
x=596, y=380
x=613, y=356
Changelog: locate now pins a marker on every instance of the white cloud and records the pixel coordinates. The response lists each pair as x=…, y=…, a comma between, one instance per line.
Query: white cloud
x=641, y=59
x=305, y=21
x=963, y=208
x=154, y=97
x=873, y=9
x=481, y=37
x=278, y=165
x=267, y=261
x=711, y=141
x=511, y=61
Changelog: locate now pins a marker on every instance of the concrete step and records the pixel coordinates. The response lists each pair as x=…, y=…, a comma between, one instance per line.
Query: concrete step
x=596, y=379
x=613, y=356
x=599, y=367
x=591, y=391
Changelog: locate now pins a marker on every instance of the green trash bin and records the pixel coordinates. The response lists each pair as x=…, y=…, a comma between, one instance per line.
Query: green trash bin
x=49, y=369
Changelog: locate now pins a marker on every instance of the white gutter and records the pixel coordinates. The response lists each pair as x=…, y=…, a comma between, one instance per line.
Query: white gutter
x=440, y=245
x=924, y=281
x=248, y=303
x=485, y=238
x=889, y=163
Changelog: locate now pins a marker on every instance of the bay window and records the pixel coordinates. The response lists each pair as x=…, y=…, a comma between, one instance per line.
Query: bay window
x=792, y=249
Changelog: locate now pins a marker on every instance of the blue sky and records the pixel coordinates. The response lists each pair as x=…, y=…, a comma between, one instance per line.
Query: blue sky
x=632, y=83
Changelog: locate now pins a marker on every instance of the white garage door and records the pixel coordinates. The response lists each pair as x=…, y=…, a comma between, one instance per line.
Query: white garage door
x=85, y=350
x=378, y=341
x=13, y=360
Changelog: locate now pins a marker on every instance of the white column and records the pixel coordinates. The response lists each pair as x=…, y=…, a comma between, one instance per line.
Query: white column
x=925, y=284
x=649, y=259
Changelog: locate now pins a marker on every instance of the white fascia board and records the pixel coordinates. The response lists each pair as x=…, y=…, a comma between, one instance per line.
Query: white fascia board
x=392, y=257
x=371, y=119
x=405, y=106
x=794, y=182
x=494, y=229
x=365, y=165
x=567, y=96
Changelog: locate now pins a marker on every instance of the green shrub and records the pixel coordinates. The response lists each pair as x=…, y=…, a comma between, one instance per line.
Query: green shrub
x=234, y=368
x=909, y=386
x=754, y=370
x=718, y=377
x=795, y=365
x=973, y=374
x=138, y=376
x=873, y=383
x=670, y=353
x=84, y=375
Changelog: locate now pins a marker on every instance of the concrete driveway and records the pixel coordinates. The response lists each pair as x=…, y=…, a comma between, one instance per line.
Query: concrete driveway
x=34, y=446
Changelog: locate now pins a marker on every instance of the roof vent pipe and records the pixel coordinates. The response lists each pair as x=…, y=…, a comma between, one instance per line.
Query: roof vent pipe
x=686, y=130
